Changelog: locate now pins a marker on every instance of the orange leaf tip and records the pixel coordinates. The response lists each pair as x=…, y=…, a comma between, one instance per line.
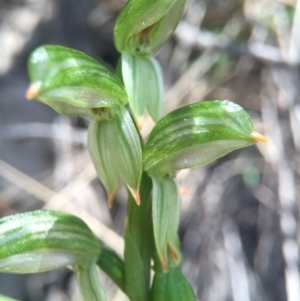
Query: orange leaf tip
x=111, y=198
x=173, y=252
x=258, y=137
x=33, y=90
x=140, y=123
x=136, y=195
x=184, y=191
x=163, y=265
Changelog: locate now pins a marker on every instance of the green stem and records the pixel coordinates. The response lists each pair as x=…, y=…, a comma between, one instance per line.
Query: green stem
x=138, y=235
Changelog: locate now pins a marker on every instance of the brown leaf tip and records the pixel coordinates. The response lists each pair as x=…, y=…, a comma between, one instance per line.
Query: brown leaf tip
x=136, y=195
x=184, y=191
x=33, y=91
x=140, y=122
x=174, y=253
x=163, y=265
x=258, y=137
x=110, y=199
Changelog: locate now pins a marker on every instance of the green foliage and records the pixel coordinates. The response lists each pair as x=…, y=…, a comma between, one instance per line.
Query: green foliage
x=110, y=263
x=195, y=135
x=90, y=285
x=165, y=215
x=115, y=149
x=143, y=80
x=143, y=26
x=28, y=240
x=73, y=83
x=138, y=244
x=171, y=286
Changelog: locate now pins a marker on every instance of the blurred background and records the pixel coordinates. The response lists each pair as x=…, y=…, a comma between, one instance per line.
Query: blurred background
x=240, y=215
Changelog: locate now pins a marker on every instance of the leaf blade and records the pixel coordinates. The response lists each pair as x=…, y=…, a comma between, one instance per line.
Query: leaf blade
x=71, y=82
x=165, y=217
x=143, y=81
x=29, y=239
x=115, y=149
x=89, y=284
x=195, y=135
x=171, y=286
x=140, y=27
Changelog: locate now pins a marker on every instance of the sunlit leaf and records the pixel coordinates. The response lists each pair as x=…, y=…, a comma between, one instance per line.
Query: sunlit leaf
x=110, y=263
x=197, y=134
x=143, y=26
x=71, y=82
x=165, y=217
x=89, y=284
x=45, y=240
x=143, y=80
x=115, y=149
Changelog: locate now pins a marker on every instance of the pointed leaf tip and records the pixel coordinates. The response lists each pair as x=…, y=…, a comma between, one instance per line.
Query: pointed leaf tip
x=33, y=91
x=163, y=265
x=140, y=123
x=136, y=195
x=174, y=252
x=111, y=199
x=184, y=191
x=259, y=137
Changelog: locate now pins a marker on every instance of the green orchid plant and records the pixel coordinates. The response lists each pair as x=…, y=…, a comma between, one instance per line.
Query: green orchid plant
x=72, y=83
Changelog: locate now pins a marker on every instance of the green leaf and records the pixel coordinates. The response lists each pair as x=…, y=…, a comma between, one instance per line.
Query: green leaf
x=71, y=82
x=197, y=134
x=45, y=240
x=165, y=216
x=89, y=284
x=143, y=80
x=4, y=298
x=115, y=150
x=143, y=26
x=166, y=26
x=113, y=266
x=171, y=286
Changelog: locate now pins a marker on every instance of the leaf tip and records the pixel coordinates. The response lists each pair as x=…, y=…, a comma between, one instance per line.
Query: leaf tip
x=140, y=122
x=174, y=252
x=163, y=265
x=184, y=191
x=257, y=137
x=111, y=198
x=136, y=195
x=33, y=91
